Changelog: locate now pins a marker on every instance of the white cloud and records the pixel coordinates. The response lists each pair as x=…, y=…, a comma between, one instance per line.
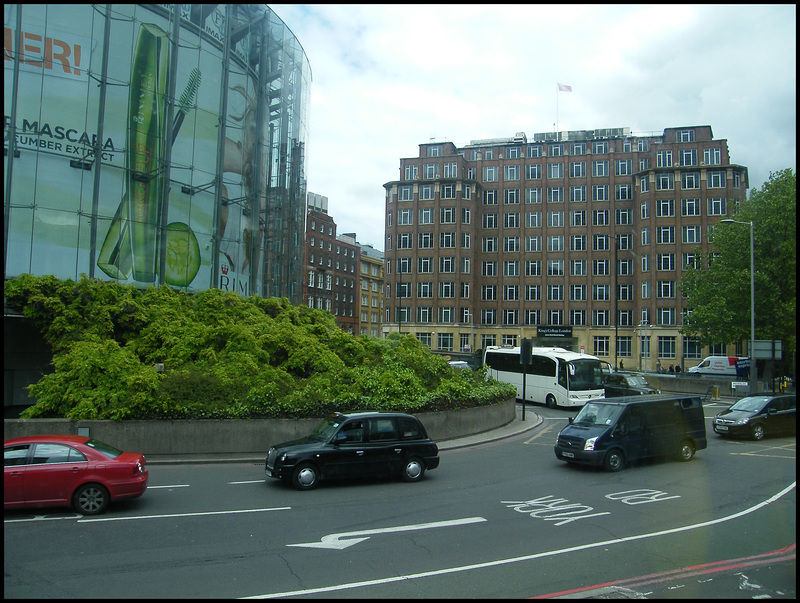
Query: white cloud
x=389, y=77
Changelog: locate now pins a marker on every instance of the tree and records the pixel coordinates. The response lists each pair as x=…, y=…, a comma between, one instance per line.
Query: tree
x=718, y=289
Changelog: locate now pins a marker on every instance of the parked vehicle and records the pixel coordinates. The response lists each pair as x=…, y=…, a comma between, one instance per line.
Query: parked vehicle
x=615, y=432
x=69, y=470
x=723, y=366
x=627, y=384
x=759, y=416
x=555, y=376
x=458, y=364
x=355, y=445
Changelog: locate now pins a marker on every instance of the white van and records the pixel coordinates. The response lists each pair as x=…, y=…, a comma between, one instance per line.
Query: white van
x=724, y=366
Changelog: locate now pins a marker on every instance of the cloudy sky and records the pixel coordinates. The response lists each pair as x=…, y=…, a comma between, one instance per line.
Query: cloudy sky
x=389, y=77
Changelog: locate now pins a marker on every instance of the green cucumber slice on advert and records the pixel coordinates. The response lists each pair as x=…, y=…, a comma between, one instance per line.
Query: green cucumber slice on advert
x=183, y=255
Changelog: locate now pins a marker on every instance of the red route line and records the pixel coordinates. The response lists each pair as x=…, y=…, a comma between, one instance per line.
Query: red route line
x=717, y=569
x=782, y=554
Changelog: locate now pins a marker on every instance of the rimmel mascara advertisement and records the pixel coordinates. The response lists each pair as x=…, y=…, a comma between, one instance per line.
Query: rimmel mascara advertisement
x=156, y=213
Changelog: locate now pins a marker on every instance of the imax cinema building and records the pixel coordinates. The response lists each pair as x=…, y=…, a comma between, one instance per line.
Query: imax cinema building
x=154, y=144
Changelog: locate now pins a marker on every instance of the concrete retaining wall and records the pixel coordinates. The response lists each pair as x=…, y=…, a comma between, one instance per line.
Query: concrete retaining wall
x=699, y=385
x=232, y=436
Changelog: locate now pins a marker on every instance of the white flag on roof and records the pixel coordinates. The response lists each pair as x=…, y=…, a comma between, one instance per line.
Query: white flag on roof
x=564, y=88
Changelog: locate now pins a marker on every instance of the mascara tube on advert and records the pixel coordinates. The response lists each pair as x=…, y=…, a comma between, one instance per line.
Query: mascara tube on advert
x=146, y=140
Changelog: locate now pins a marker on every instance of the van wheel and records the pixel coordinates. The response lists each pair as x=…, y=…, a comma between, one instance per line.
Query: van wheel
x=550, y=401
x=685, y=451
x=757, y=431
x=614, y=460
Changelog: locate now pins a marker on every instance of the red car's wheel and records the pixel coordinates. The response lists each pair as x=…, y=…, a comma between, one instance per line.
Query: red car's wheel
x=90, y=499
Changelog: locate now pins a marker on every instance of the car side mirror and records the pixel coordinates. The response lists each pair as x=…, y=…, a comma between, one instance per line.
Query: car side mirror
x=570, y=420
x=339, y=438
x=772, y=411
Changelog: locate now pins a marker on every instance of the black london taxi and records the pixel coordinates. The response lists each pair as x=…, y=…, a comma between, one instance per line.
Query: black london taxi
x=362, y=444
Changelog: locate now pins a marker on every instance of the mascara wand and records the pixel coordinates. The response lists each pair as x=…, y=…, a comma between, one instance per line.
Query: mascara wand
x=186, y=101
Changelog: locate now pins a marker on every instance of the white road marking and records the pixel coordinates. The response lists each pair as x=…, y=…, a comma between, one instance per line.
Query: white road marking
x=173, y=486
x=131, y=517
x=42, y=518
x=464, y=568
x=745, y=584
x=346, y=539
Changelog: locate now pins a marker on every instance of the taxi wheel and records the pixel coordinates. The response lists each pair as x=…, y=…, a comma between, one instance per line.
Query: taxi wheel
x=413, y=470
x=305, y=476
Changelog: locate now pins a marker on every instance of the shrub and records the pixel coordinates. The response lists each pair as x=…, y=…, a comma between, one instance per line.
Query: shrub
x=93, y=380
x=225, y=356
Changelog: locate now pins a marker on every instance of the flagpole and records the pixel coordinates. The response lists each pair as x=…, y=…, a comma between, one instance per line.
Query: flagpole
x=559, y=88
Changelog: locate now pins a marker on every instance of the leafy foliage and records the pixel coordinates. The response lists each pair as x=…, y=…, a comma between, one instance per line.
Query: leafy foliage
x=94, y=379
x=225, y=357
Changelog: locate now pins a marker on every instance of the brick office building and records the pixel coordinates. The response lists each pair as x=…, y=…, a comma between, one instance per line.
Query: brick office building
x=332, y=266
x=576, y=239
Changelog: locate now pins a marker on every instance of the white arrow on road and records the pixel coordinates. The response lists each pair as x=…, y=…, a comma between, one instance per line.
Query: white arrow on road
x=346, y=539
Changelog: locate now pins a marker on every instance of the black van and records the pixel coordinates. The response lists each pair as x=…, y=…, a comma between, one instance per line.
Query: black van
x=612, y=432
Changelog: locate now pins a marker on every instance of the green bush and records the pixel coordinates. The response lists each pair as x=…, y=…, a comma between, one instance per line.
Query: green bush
x=225, y=357
x=94, y=380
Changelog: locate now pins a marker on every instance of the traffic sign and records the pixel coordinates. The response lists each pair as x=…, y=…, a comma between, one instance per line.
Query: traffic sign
x=769, y=349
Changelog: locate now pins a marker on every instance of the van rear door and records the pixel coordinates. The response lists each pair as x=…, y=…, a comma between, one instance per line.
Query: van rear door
x=666, y=425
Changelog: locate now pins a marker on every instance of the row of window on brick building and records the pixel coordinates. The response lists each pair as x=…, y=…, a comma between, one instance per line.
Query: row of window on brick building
x=665, y=208
x=690, y=181
x=690, y=234
x=687, y=157
x=515, y=317
x=577, y=169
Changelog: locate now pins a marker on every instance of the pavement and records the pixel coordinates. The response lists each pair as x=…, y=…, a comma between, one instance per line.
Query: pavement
x=516, y=427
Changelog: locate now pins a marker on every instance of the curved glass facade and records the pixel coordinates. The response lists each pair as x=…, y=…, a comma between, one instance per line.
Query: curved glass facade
x=149, y=149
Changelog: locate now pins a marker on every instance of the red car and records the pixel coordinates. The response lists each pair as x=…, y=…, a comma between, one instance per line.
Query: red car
x=68, y=470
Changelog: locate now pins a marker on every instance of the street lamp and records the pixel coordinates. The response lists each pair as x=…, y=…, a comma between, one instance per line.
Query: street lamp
x=752, y=299
x=468, y=317
x=642, y=328
x=615, y=300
